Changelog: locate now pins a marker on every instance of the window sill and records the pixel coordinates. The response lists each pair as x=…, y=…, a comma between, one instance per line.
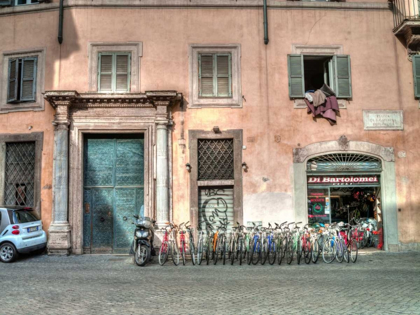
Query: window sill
x=300, y=103
x=21, y=107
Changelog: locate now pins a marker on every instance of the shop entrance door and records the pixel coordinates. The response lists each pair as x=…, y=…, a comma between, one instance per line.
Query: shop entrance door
x=113, y=191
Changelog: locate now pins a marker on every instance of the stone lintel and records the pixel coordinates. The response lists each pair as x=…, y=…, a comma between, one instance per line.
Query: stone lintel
x=149, y=98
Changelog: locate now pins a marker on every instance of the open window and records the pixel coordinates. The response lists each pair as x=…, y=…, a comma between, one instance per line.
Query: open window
x=308, y=72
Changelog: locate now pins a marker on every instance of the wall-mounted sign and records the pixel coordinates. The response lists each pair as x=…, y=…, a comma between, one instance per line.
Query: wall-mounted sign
x=383, y=119
x=342, y=180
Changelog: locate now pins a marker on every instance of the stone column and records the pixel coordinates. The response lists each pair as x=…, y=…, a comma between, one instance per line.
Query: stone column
x=162, y=176
x=59, y=242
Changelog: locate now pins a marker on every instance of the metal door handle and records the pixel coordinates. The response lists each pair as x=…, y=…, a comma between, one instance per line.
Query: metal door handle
x=125, y=218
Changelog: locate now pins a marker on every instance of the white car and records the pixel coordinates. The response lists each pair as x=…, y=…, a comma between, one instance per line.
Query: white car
x=20, y=232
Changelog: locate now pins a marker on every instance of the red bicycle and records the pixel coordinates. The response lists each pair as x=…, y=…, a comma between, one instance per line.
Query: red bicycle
x=169, y=245
x=306, y=245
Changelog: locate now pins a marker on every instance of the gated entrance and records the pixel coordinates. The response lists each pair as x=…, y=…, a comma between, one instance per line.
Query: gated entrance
x=113, y=191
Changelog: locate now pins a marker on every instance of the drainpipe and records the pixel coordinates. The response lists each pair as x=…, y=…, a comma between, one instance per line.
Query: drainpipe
x=60, y=22
x=265, y=23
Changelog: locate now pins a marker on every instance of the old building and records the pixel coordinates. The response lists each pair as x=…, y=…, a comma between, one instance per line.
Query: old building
x=195, y=111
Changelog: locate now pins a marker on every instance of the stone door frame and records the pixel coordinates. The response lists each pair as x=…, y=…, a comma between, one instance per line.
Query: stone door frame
x=388, y=185
x=76, y=167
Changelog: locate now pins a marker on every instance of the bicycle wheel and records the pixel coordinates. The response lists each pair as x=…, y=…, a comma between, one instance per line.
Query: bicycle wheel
x=224, y=251
x=279, y=248
x=163, y=253
x=200, y=251
x=299, y=251
x=174, y=253
x=264, y=252
x=328, y=250
x=241, y=251
x=289, y=251
x=353, y=250
x=307, y=253
x=339, y=250
x=192, y=251
x=218, y=251
x=183, y=253
x=233, y=253
x=316, y=250
x=256, y=252
x=272, y=253
x=209, y=250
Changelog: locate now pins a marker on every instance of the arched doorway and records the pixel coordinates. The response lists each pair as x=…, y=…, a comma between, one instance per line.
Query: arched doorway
x=334, y=165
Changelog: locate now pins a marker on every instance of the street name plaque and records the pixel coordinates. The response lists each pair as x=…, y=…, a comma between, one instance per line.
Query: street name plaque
x=383, y=119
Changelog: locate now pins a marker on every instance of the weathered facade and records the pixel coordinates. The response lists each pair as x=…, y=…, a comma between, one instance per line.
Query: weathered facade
x=164, y=106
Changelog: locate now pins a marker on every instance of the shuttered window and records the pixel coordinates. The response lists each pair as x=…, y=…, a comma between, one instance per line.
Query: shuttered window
x=416, y=74
x=215, y=75
x=22, y=80
x=114, y=72
x=337, y=69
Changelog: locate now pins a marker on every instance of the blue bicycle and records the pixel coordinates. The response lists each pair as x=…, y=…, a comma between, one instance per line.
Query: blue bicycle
x=256, y=249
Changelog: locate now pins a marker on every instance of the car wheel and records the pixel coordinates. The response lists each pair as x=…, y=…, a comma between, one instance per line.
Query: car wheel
x=8, y=253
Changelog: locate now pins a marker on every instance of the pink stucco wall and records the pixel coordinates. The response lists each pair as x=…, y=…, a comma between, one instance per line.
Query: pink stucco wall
x=381, y=75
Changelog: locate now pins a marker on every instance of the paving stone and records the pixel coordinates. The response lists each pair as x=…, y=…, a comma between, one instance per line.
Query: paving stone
x=379, y=283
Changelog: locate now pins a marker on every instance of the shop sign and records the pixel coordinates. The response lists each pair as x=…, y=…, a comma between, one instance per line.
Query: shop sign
x=342, y=180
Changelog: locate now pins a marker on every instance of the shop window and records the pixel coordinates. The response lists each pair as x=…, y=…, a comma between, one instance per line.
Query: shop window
x=114, y=72
x=22, y=80
x=308, y=72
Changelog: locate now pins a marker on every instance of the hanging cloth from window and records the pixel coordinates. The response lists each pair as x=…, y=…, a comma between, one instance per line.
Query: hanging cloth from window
x=318, y=98
x=328, y=110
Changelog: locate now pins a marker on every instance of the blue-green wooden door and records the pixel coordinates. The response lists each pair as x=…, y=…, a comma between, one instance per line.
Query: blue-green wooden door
x=113, y=192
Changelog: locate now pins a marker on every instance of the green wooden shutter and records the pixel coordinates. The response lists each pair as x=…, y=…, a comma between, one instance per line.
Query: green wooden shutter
x=206, y=75
x=12, y=89
x=296, y=76
x=28, y=79
x=342, y=76
x=105, y=67
x=416, y=74
x=223, y=75
x=122, y=71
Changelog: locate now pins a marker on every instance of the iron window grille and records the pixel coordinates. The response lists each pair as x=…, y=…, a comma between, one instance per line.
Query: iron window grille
x=344, y=162
x=20, y=174
x=215, y=159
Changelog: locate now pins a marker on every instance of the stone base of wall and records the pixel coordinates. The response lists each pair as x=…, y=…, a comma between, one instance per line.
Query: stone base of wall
x=407, y=247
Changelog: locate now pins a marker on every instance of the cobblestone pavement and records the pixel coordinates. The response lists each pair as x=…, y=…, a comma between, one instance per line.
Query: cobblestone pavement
x=379, y=283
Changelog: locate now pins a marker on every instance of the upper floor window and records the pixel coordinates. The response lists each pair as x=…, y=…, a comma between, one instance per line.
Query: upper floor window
x=22, y=80
x=114, y=72
x=22, y=2
x=309, y=73
x=215, y=76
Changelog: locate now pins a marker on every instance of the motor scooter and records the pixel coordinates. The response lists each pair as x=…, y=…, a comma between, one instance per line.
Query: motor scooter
x=142, y=247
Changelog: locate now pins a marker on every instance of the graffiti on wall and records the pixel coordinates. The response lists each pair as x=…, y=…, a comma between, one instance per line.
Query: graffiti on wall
x=214, y=209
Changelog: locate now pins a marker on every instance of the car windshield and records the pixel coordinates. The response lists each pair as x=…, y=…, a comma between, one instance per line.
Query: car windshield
x=24, y=216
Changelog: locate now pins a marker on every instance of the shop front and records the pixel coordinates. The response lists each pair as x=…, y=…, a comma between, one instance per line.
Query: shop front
x=344, y=181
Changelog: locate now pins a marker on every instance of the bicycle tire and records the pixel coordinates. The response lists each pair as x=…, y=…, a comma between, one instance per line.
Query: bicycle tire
x=279, y=248
x=307, y=251
x=200, y=251
x=209, y=250
x=289, y=251
x=232, y=256
x=299, y=250
x=353, y=251
x=241, y=250
x=272, y=253
x=183, y=252
x=192, y=251
x=218, y=250
x=255, y=256
x=339, y=251
x=315, y=250
x=264, y=252
x=163, y=253
x=174, y=254
x=328, y=250
x=224, y=251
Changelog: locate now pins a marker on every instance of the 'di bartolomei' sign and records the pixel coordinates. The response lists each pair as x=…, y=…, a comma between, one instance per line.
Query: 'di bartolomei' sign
x=343, y=180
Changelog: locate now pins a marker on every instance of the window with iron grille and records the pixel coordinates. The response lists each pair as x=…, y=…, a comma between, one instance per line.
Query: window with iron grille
x=20, y=174
x=215, y=159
